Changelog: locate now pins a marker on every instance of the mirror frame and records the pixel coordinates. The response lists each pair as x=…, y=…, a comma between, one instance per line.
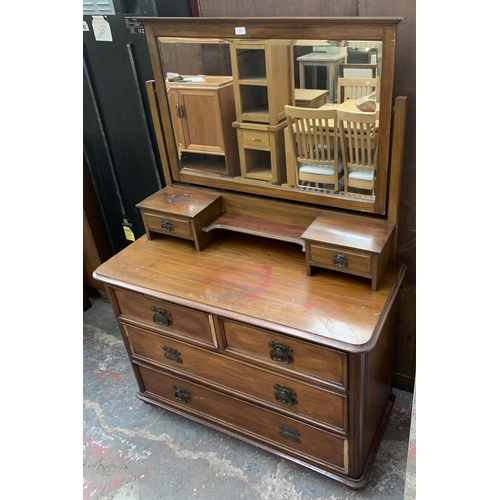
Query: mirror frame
x=323, y=28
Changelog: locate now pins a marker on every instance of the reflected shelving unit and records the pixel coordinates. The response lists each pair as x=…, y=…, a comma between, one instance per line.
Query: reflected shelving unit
x=263, y=85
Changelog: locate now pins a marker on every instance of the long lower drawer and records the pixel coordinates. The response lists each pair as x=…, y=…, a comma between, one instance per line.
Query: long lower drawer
x=290, y=435
x=326, y=408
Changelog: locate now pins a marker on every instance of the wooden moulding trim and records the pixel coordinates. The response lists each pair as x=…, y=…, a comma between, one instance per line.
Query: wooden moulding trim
x=386, y=86
x=267, y=325
x=160, y=138
x=162, y=105
x=384, y=314
x=165, y=26
x=278, y=192
x=397, y=155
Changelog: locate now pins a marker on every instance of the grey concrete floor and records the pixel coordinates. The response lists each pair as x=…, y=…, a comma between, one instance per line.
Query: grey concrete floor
x=133, y=450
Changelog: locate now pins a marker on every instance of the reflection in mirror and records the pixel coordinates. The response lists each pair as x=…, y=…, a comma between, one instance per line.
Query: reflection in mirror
x=295, y=114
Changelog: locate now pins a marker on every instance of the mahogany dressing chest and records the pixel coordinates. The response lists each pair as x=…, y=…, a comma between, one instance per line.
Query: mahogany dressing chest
x=255, y=305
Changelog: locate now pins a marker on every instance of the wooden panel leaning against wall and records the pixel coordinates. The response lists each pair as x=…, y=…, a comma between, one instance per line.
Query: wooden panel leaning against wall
x=96, y=243
x=404, y=84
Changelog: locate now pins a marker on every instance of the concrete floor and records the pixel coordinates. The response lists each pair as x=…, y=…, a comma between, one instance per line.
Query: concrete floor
x=136, y=451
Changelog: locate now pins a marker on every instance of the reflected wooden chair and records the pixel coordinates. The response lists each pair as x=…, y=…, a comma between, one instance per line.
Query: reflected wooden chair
x=313, y=134
x=359, y=145
x=352, y=70
x=354, y=88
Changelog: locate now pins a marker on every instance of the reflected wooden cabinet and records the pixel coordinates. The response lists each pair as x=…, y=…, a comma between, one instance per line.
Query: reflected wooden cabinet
x=263, y=79
x=262, y=151
x=202, y=114
x=263, y=83
x=261, y=310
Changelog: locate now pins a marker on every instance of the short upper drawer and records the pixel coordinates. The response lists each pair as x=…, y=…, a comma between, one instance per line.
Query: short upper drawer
x=255, y=139
x=260, y=424
x=286, y=352
x=340, y=259
x=326, y=407
x=164, y=315
x=166, y=224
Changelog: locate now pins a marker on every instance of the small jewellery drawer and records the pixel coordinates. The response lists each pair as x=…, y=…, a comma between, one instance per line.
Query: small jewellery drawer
x=327, y=408
x=167, y=225
x=164, y=315
x=340, y=260
x=287, y=352
x=258, y=423
x=253, y=139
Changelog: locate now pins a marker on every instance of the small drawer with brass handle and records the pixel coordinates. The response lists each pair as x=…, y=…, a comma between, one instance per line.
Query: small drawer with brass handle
x=163, y=315
x=286, y=353
x=166, y=224
x=339, y=259
x=349, y=245
x=254, y=139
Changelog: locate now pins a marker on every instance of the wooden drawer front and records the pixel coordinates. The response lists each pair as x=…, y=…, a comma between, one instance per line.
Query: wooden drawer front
x=253, y=139
x=289, y=395
x=265, y=425
x=307, y=358
x=167, y=225
x=158, y=313
x=356, y=263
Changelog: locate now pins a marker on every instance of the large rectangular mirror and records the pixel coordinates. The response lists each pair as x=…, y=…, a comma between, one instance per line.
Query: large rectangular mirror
x=295, y=109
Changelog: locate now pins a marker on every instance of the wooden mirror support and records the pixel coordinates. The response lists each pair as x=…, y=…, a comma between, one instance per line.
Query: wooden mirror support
x=257, y=308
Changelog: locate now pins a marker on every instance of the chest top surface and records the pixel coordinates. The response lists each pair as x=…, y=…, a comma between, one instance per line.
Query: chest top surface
x=258, y=281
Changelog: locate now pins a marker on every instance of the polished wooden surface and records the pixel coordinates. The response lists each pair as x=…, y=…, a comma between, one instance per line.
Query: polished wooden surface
x=179, y=200
x=232, y=308
x=310, y=98
x=367, y=235
x=260, y=281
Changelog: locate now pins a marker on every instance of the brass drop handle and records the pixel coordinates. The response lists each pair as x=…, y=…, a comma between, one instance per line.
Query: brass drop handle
x=161, y=316
x=289, y=433
x=182, y=394
x=285, y=395
x=173, y=354
x=340, y=260
x=280, y=352
x=166, y=225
